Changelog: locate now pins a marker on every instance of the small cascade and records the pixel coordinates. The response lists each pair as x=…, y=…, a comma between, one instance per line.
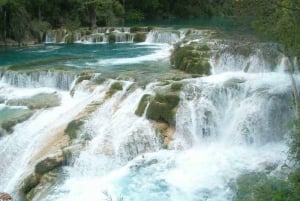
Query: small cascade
x=163, y=36
x=53, y=79
x=50, y=37
x=234, y=109
x=248, y=58
x=124, y=37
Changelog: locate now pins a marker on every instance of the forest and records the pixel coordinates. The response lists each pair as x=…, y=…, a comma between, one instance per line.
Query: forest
x=20, y=20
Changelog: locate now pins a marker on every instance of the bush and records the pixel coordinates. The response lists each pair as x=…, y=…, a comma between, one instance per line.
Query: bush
x=260, y=187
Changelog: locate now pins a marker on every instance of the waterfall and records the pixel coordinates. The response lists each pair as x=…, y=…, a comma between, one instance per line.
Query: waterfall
x=47, y=78
x=163, y=36
x=247, y=58
x=235, y=109
x=124, y=37
x=50, y=37
x=231, y=122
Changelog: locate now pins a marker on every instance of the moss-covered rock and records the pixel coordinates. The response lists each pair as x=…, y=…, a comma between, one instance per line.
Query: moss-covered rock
x=83, y=76
x=176, y=86
x=163, y=108
x=116, y=86
x=39, y=101
x=73, y=128
x=19, y=117
x=49, y=164
x=30, y=182
x=142, y=105
x=192, y=59
x=140, y=37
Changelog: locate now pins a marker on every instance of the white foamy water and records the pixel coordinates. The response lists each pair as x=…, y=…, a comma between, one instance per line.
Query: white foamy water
x=162, y=52
x=18, y=148
x=227, y=124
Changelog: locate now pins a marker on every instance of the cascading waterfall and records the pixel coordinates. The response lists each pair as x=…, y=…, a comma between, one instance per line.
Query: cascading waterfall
x=50, y=37
x=229, y=123
x=162, y=36
x=53, y=79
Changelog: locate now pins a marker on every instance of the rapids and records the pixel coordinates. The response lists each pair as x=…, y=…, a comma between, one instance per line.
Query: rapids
x=228, y=123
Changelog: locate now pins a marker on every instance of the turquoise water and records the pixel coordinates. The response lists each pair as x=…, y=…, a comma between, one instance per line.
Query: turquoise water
x=102, y=57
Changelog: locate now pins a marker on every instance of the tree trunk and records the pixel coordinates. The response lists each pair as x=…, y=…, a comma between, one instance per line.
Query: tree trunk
x=4, y=24
x=92, y=15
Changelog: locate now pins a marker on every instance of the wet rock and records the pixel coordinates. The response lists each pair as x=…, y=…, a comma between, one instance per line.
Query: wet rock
x=73, y=128
x=192, y=58
x=166, y=133
x=30, y=182
x=114, y=87
x=8, y=124
x=163, y=108
x=49, y=163
x=39, y=101
x=5, y=197
x=140, y=37
x=142, y=105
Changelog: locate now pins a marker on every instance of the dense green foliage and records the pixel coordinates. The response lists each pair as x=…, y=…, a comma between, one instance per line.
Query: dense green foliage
x=261, y=187
x=277, y=20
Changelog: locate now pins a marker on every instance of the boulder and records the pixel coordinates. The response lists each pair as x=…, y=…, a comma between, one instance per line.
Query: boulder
x=49, y=163
x=30, y=182
x=17, y=117
x=39, y=101
x=116, y=86
x=193, y=58
x=163, y=108
x=142, y=105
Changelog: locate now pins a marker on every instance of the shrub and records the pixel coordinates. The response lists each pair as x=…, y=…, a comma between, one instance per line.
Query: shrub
x=259, y=186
